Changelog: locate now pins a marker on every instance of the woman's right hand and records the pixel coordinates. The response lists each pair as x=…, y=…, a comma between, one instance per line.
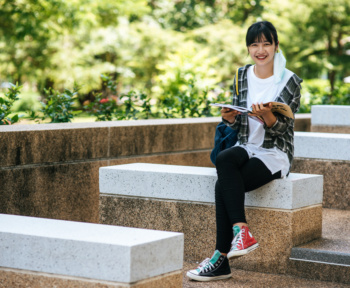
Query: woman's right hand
x=229, y=114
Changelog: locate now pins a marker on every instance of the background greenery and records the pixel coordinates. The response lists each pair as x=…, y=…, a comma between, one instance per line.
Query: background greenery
x=172, y=52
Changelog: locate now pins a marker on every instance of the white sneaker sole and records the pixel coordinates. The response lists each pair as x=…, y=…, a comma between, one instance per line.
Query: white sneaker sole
x=233, y=254
x=204, y=278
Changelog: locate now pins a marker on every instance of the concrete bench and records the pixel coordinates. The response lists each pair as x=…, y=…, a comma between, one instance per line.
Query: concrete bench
x=119, y=255
x=327, y=154
x=181, y=198
x=330, y=146
x=330, y=118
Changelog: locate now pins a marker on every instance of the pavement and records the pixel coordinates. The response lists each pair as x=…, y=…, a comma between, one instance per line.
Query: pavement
x=245, y=279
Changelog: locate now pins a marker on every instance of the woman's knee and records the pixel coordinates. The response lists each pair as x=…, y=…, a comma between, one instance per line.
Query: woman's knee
x=234, y=156
x=222, y=158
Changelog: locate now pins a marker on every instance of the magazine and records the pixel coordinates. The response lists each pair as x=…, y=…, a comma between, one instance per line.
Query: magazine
x=278, y=107
x=240, y=109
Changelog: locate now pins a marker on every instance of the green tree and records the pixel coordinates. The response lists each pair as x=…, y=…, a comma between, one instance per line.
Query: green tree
x=186, y=15
x=30, y=29
x=314, y=36
x=329, y=25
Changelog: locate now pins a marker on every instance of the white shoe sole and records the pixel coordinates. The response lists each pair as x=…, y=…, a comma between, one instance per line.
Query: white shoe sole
x=203, y=278
x=233, y=254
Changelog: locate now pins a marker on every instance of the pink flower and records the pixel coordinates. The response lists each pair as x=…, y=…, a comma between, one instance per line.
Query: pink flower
x=104, y=100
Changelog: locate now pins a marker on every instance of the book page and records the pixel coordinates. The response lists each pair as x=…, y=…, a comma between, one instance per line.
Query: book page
x=282, y=108
x=278, y=107
x=240, y=109
x=237, y=108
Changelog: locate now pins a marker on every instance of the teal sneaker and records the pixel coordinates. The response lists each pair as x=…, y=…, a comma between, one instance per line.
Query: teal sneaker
x=214, y=268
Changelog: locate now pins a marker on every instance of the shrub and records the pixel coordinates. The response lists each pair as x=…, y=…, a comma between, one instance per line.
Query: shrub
x=6, y=104
x=134, y=106
x=318, y=92
x=58, y=107
x=102, y=108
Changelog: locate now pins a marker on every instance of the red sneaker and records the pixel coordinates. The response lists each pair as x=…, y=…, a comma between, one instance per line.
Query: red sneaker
x=242, y=243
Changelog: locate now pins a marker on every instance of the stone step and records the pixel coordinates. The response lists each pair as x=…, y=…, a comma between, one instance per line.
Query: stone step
x=249, y=279
x=324, y=250
x=329, y=146
x=326, y=154
x=94, y=251
x=190, y=183
x=323, y=259
x=330, y=118
x=181, y=198
x=327, y=258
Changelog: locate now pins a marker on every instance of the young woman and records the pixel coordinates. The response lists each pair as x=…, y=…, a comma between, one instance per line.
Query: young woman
x=264, y=152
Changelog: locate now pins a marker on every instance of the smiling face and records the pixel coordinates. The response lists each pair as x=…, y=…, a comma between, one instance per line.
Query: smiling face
x=262, y=51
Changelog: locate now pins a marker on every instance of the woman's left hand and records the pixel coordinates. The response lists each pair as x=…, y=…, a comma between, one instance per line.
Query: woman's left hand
x=265, y=112
x=261, y=109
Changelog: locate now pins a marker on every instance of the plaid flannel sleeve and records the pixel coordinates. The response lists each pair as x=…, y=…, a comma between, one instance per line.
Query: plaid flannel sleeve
x=235, y=101
x=283, y=122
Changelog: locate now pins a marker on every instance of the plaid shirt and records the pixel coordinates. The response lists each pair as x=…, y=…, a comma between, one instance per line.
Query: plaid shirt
x=281, y=134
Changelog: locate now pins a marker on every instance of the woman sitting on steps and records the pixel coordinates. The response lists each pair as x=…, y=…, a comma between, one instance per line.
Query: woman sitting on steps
x=263, y=152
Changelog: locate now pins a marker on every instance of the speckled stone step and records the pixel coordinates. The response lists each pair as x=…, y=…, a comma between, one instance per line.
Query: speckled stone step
x=327, y=154
x=95, y=251
x=189, y=183
x=330, y=118
x=324, y=251
x=328, y=146
x=327, y=258
x=181, y=198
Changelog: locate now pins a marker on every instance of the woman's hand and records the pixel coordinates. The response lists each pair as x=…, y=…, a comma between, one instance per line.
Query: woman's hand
x=265, y=112
x=261, y=110
x=229, y=114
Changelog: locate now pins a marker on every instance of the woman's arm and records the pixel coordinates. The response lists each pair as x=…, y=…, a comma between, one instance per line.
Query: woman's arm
x=283, y=122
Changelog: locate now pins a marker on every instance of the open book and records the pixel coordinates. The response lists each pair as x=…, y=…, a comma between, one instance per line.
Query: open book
x=278, y=107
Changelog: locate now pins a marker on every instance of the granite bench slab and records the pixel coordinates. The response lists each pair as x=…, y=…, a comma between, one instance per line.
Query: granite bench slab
x=330, y=115
x=88, y=250
x=188, y=183
x=330, y=146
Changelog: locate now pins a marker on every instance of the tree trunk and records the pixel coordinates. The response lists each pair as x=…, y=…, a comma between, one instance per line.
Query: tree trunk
x=331, y=77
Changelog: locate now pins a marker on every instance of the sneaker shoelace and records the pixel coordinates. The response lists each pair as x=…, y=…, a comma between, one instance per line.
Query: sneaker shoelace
x=238, y=240
x=205, y=264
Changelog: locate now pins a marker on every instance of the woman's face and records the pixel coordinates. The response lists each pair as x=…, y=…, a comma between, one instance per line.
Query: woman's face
x=262, y=52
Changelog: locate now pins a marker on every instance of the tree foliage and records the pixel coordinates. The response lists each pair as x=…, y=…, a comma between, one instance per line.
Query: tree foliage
x=159, y=46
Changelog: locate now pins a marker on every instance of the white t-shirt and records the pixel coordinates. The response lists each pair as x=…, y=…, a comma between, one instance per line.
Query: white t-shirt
x=264, y=90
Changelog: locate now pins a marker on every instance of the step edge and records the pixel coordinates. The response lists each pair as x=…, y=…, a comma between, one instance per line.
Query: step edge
x=319, y=251
x=315, y=255
x=319, y=262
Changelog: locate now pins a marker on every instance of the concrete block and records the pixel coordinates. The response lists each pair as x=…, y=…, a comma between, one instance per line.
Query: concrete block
x=88, y=250
x=66, y=191
x=25, y=147
x=336, y=175
x=176, y=136
x=302, y=122
x=330, y=115
x=322, y=145
x=197, y=222
x=188, y=183
x=16, y=278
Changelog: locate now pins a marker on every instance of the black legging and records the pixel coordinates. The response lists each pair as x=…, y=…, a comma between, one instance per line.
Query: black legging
x=237, y=174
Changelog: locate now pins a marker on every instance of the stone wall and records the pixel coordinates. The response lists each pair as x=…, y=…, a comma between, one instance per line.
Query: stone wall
x=51, y=170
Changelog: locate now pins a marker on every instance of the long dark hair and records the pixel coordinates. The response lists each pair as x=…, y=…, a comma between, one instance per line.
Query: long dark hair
x=258, y=30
